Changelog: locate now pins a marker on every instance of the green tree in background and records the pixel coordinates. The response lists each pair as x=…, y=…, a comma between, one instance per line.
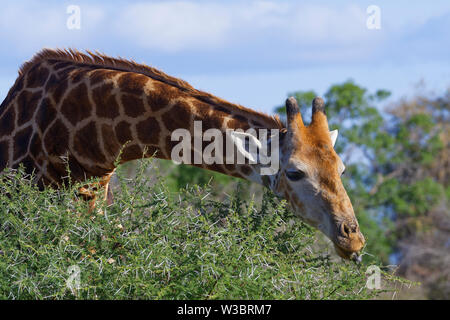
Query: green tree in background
x=421, y=170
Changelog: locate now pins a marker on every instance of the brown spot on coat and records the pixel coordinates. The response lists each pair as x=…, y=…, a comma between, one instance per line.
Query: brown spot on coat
x=237, y=124
x=56, y=87
x=78, y=75
x=37, y=76
x=7, y=122
x=100, y=75
x=58, y=65
x=123, y=132
x=240, y=118
x=21, y=142
x=105, y=102
x=57, y=139
x=148, y=131
x=27, y=103
x=160, y=96
x=76, y=106
x=86, y=143
x=45, y=114
x=109, y=142
x=216, y=121
x=67, y=72
x=36, y=146
x=178, y=116
x=222, y=109
x=133, y=105
x=132, y=83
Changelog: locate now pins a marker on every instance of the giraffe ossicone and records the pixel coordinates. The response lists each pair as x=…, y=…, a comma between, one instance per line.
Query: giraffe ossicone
x=80, y=111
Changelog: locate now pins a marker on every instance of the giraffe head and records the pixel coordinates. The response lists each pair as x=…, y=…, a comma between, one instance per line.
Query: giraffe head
x=310, y=179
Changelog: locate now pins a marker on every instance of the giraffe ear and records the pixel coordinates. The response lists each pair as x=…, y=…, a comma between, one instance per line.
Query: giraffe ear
x=243, y=146
x=333, y=136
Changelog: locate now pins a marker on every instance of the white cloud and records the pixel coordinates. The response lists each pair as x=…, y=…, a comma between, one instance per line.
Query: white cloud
x=24, y=24
x=179, y=25
x=257, y=33
x=319, y=23
x=33, y=25
x=175, y=25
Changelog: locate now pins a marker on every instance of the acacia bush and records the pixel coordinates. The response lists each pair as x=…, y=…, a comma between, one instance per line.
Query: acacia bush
x=153, y=244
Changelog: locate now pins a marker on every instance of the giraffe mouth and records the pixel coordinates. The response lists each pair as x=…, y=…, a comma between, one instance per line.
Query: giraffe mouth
x=348, y=254
x=348, y=240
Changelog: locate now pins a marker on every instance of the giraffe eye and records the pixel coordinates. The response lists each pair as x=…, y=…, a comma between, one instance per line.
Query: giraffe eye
x=295, y=175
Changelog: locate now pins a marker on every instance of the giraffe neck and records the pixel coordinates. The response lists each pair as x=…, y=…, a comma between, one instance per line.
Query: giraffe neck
x=166, y=109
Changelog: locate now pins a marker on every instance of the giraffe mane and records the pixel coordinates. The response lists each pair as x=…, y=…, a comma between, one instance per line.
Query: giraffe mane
x=99, y=59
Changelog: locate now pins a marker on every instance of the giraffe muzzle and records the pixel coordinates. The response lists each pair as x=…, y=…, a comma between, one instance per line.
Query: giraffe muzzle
x=349, y=241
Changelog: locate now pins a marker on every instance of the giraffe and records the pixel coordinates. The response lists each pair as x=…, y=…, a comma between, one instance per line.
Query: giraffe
x=83, y=111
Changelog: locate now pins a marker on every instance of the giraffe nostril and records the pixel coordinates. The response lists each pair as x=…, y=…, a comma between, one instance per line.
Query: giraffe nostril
x=346, y=230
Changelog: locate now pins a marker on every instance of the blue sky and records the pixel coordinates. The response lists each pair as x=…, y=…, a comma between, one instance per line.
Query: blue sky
x=249, y=52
